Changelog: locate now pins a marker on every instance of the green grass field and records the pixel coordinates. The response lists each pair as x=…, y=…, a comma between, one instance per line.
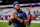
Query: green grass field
x=5, y=24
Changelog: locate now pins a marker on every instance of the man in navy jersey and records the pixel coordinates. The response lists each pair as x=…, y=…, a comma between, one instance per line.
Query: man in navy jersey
x=19, y=16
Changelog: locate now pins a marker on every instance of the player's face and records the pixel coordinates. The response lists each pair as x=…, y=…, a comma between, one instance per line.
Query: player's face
x=17, y=6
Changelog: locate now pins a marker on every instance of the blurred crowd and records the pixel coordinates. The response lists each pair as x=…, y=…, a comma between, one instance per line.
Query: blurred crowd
x=4, y=17
x=34, y=16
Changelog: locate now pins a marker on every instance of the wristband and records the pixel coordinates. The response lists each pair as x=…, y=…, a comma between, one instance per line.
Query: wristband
x=23, y=21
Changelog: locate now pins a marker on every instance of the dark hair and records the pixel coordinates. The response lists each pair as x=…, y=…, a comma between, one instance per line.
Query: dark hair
x=29, y=12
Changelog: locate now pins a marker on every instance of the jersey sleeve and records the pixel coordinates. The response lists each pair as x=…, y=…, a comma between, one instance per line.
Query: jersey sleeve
x=25, y=16
x=9, y=22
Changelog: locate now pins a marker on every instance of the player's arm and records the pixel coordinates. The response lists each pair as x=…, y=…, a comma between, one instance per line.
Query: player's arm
x=20, y=20
x=9, y=22
x=25, y=19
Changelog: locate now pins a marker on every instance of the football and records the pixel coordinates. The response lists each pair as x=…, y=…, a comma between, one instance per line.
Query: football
x=12, y=19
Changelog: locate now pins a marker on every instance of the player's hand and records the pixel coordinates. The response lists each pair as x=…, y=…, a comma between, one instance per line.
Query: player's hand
x=26, y=22
x=12, y=16
x=15, y=16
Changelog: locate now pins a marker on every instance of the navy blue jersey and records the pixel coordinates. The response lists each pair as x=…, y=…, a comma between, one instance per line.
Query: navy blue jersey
x=22, y=15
